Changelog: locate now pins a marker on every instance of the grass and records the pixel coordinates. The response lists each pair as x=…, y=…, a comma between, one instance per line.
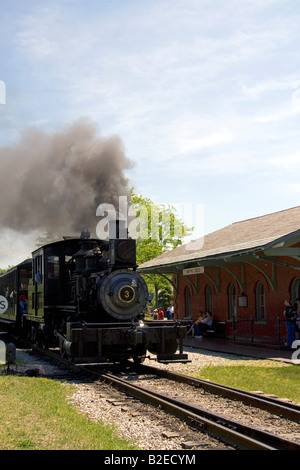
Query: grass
x=35, y=415
x=271, y=378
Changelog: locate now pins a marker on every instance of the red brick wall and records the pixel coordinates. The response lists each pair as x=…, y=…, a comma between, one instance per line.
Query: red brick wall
x=263, y=331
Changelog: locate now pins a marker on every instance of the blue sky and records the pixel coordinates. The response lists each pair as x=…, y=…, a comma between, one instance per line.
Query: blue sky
x=205, y=94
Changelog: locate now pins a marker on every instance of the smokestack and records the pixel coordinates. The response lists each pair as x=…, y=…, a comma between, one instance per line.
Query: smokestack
x=117, y=229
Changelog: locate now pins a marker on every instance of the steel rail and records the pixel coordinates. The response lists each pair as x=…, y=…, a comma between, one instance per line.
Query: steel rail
x=287, y=410
x=231, y=432
x=234, y=433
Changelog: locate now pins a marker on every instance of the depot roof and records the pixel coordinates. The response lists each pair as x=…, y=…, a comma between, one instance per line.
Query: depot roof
x=267, y=236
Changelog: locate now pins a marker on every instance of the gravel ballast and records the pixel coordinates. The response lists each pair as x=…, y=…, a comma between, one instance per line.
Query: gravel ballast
x=149, y=427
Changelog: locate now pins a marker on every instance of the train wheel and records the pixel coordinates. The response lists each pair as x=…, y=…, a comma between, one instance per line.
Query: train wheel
x=139, y=356
x=138, y=360
x=62, y=351
x=44, y=343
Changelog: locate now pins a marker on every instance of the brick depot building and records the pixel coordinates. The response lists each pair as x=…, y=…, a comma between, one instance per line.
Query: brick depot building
x=241, y=273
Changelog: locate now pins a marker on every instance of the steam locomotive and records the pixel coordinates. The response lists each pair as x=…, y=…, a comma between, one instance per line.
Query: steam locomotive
x=86, y=297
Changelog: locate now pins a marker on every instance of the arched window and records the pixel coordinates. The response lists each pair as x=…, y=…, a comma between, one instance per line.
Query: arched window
x=260, y=302
x=188, y=302
x=208, y=299
x=232, y=301
x=295, y=290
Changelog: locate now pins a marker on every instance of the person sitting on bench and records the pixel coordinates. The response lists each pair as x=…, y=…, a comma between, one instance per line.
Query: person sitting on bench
x=191, y=331
x=203, y=325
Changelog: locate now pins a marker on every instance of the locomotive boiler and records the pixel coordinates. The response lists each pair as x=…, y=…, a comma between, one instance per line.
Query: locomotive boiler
x=86, y=296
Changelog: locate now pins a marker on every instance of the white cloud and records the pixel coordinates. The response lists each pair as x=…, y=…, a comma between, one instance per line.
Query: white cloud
x=257, y=89
x=195, y=88
x=286, y=163
x=35, y=39
x=16, y=247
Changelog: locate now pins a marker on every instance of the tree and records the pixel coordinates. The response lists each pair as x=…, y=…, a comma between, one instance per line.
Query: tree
x=159, y=229
x=3, y=270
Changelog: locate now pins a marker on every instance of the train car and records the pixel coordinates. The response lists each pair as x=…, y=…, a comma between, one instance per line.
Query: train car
x=85, y=296
x=14, y=287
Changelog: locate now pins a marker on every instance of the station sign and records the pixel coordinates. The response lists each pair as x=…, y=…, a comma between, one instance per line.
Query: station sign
x=198, y=270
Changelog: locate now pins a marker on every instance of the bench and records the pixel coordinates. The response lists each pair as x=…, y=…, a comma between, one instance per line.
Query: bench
x=217, y=329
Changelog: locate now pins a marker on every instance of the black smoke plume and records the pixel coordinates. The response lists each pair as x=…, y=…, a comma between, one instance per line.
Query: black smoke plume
x=55, y=182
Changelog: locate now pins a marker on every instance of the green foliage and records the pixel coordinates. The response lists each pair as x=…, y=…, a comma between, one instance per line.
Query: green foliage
x=160, y=227
x=160, y=230
x=3, y=270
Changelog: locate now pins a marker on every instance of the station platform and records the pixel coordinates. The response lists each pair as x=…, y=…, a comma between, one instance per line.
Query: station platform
x=243, y=349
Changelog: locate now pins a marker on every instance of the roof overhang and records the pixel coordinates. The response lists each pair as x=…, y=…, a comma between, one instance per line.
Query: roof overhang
x=271, y=251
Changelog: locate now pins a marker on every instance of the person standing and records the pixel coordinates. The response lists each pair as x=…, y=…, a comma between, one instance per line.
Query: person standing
x=160, y=314
x=23, y=303
x=170, y=312
x=290, y=318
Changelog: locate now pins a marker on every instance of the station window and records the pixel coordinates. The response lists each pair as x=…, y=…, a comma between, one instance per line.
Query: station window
x=295, y=291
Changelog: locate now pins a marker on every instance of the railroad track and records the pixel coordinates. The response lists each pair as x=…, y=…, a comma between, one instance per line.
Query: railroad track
x=229, y=431
x=233, y=433
x=286, y=409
